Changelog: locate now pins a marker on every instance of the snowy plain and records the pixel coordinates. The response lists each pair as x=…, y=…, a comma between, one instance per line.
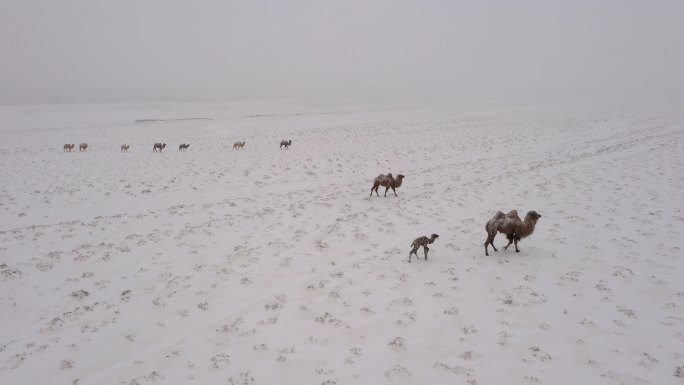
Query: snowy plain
x=270, y=266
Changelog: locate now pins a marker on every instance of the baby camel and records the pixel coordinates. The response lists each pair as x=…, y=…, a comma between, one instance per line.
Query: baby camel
x=422, y=241
x=511, y=225
x=388, y=182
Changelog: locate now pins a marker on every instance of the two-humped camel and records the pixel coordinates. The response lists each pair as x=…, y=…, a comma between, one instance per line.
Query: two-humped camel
x=512, y=226
x=239, y=145
x=388, y=182
x=69, y=147
x=285, y=143
x=82, y=146
x=183, y=147
x=159, y=146
x=125, y=147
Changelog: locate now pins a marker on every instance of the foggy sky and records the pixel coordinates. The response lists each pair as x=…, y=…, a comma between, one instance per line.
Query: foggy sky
x=71, y=51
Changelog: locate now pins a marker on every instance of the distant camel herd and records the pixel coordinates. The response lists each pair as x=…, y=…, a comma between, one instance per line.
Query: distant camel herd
x=159, y=147
x=509, y=224
x=70, y=147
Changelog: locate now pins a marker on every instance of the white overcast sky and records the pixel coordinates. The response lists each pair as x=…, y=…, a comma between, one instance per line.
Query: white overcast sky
x=65, y=51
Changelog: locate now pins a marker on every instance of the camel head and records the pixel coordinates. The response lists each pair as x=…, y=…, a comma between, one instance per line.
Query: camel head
x=533, y=215
x=434, y=236
x=397, y=180
x=164, y=145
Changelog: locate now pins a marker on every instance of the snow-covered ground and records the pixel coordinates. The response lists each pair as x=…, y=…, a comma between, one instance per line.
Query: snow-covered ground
x=269, y=266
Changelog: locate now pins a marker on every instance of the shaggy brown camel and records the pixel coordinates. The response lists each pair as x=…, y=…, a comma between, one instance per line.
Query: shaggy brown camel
x=422, y=241
x=82, y=146
x=239, y=145
x=388, y=182
x=511, y=225
x=159, y=146
x=125, y=147
x=285, y=143
x=183, y=147
x=69, y=147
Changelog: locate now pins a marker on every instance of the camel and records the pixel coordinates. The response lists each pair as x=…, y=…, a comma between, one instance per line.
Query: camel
x=82, y=146
x=183, y=147
x=511, y=225
x=285, y=143
x=69, y=147
x=240, y=145
x=388, y=182
x=422, y=241
x=125, y=147
x=159, y=146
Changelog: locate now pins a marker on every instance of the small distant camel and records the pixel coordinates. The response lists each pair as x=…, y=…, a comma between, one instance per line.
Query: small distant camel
x=512, y=226
x=69, y=147
x=422, y=241
x=159, y=146
x=82, y=146
x=388, y=182
x=240, y=145
x=285, y=143
x=125, y=147
x=183, y=147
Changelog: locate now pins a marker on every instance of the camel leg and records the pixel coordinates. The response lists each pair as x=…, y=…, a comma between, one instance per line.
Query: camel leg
x=413, y=251
x=386, y=189
x=490, y=241
x=376, y=191
x=510, y=240
x=395, y=191
x=516, y=244
x=425, y=250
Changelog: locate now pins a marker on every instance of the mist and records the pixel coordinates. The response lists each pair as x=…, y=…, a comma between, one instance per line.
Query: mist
x=137, y=51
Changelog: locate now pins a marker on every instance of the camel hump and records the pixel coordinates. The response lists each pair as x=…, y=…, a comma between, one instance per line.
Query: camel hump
x=513, y=214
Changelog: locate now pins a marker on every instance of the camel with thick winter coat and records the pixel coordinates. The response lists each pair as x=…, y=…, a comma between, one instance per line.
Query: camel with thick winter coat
x=388, y=182
x=512, y=226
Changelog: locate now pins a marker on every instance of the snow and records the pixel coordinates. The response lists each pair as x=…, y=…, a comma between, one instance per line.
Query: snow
x=270, y=266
